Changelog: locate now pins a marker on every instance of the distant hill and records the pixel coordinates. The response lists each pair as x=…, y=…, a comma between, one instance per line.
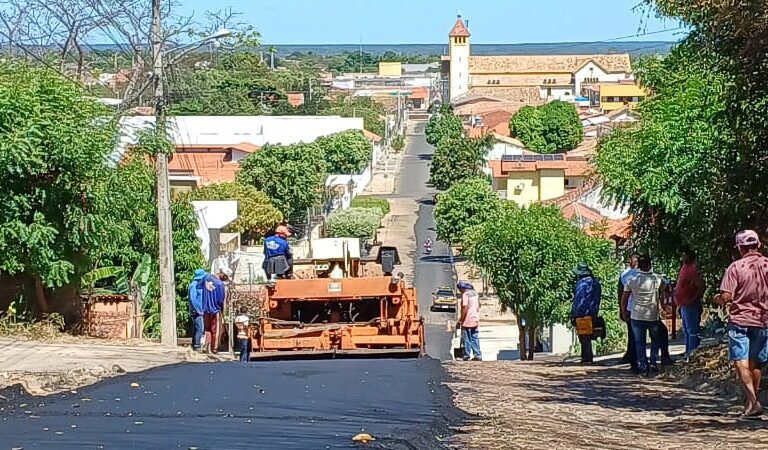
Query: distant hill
x=572, y=48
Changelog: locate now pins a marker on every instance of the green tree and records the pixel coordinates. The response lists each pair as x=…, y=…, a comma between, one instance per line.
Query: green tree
x=724, y=56
x=256, y=214
x=466, y=204
x=550, y=128
x=360, y=223
x=292, y=176
x=398, y=143
x=372, y=113
x=457, y=159
x=443, y=125
x=347, y=152
x=529, y=254
x=678, y=171
x=52, y=150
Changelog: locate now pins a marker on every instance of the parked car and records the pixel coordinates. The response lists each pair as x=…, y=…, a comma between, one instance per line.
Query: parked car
x=444, y=299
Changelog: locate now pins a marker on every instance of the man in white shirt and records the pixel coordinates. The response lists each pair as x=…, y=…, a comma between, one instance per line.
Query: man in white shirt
x=647, y=289
x=630, y=272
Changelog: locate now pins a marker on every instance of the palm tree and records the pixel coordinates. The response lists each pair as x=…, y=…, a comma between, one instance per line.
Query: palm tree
x=272, y=50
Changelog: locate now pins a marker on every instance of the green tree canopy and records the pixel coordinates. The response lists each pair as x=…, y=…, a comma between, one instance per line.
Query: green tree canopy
x=293, y=176
x=52, y=150
x=466, y=204
x=372, y=113
x=550, y=128
x=678, y=169
x=360, y=223
x=529, y=254
x=457, y=159
x=443, y=125
x=256, y=214
x=347, y=152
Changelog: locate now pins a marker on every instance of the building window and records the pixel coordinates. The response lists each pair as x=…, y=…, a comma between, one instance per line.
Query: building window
x=549, y=92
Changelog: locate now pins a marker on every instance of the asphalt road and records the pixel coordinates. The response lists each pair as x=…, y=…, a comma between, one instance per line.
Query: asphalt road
x=265, y=405
x=262, y=405
x=435, y=270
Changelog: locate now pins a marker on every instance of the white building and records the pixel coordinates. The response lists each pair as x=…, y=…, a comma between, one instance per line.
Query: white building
x=216, y=132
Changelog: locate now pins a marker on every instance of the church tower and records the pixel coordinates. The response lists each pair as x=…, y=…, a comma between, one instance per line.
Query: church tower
x=458, y=45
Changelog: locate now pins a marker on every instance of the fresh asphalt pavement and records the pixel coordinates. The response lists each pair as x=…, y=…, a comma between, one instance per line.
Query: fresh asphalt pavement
x=435, y=270
x=265, y=405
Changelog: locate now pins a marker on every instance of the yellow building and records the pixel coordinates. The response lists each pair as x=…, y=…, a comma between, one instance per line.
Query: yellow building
x=527, y=179
x=390, y=69
x=617, y=96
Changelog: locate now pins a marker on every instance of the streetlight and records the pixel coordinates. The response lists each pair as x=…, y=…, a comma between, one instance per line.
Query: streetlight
x=165, y=231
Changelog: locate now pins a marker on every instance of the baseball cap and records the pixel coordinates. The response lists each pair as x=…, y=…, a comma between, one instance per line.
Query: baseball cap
x=746, y=238
x=464, y=285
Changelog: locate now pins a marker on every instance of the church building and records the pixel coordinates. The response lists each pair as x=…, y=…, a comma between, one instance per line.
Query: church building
x=529, y=79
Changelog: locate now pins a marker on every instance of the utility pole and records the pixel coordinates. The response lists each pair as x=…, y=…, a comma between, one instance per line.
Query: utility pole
x=165, y=232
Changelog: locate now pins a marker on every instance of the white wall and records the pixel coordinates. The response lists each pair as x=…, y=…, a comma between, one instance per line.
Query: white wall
x=592, y=70
x=557, y=92
x=212, y=215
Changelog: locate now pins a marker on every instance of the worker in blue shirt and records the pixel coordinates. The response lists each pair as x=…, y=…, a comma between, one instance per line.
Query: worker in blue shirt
x=196, y=307
x=586, y=303
x=278, y=260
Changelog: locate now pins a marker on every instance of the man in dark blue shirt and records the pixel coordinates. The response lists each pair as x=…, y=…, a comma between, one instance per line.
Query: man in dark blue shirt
x=586, y=304
x=278, y=259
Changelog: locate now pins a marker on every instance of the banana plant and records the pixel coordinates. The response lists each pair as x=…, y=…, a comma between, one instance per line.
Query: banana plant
x=88, y=280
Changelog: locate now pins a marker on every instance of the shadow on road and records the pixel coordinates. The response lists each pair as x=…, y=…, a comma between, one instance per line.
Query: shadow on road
x=425, y=156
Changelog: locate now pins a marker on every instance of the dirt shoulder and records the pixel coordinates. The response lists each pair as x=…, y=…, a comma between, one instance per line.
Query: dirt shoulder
x=49, y=367
x=552, y=405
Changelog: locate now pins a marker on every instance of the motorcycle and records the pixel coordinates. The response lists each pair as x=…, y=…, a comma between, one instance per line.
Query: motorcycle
x=428, y=249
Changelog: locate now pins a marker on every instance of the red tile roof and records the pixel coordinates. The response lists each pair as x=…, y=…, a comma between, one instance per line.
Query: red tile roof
x=372, y=136
x=497, y=121
x=419, y=93
x=459, y=29
x=208, y=167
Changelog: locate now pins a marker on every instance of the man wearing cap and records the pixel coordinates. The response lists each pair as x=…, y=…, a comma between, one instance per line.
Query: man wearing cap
x=745, y=290
x=278, y=259
x=196, y=307
x=469, y=321
x=586, y=303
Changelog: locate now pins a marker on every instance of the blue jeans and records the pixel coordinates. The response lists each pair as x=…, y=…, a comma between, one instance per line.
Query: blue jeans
x=691, y=315
x=471, y=339
x=245, y=349
x=641, y=329
x=198, y=330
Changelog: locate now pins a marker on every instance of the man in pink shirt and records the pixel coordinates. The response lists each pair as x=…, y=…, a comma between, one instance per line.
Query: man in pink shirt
x=745, y=290
x=469, y=321
x=688, y=293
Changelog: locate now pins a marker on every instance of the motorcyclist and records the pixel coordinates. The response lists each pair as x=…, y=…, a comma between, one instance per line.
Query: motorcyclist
x=428, y=245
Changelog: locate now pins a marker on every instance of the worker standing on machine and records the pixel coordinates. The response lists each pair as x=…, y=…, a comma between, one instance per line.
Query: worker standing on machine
x=278, y=260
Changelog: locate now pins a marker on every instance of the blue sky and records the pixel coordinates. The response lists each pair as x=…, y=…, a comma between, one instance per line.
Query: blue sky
x=428, y=21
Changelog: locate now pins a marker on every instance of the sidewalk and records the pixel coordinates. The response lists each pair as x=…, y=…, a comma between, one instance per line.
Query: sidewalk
x=555, y=405
x=44, y=368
